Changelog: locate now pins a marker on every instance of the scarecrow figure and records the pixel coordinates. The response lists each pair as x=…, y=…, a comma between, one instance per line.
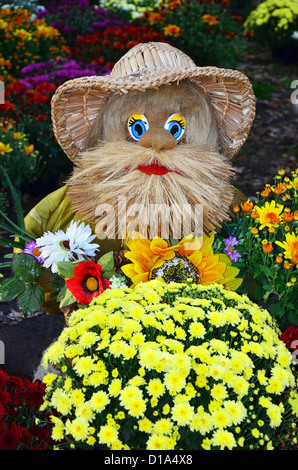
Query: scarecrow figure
x=158, y=132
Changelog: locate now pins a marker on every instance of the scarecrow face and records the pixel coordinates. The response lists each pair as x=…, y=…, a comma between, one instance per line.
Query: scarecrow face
x=154, y=149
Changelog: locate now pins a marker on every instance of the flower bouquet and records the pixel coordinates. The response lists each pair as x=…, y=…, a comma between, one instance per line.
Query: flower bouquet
x=72, y=263
x=171, y=366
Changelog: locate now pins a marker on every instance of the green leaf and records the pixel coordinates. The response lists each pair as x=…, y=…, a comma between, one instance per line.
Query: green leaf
x=16, y=200
x=5, y=265
x=10, y=289
x=66, y=268
x=26, y=267
x=66, y=298
x=31, y=299
x=17, y=230
x=276, y=310
x=12, y=243
x=62, y=293
x=109, y=274
x=107, y=261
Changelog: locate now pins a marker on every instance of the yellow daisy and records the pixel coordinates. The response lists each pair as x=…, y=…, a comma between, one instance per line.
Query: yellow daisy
x=290, y=246
x=269, y=214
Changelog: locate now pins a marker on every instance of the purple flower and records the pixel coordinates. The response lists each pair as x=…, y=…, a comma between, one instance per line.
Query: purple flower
x=233, y=254
x=31, y=248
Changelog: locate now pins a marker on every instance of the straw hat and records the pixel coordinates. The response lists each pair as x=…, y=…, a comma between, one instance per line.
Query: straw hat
x=77, y=102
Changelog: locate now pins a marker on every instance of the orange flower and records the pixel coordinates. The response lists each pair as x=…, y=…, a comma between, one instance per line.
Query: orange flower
x=211, y=20
x=254, y=230
x=266, y=192
x=153, y=17
x=172, y=30
x=254, y=215
x=295, y=257
x=288, y=216
x=287, y=265
x=268, y=248
x=236, y=208
x=28, y=149
x=279, y=259
x=247, y=206
x=280, y=188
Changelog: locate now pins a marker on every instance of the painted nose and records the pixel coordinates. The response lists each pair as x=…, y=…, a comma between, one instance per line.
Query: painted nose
x=158, y=139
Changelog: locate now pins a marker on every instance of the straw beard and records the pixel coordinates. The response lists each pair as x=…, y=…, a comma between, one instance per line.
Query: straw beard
x=107, y=189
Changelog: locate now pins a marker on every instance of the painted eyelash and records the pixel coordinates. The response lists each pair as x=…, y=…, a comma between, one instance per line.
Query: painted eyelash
x=131, y=121
x=181, y=122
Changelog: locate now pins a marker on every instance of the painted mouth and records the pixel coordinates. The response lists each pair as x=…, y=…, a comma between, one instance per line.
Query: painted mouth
x=155, y=169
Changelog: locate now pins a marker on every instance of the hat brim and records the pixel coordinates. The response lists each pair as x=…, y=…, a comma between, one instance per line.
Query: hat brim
x=77, y=102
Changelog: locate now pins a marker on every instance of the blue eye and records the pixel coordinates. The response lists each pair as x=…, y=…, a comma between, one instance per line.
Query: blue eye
x=137, y=125
x=175, y=124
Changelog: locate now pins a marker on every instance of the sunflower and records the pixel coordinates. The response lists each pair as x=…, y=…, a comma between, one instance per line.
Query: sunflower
x=269, y=215
x=192, y=257
x=290, y=245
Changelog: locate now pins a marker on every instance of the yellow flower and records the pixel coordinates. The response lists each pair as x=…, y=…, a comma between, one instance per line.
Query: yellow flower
x=157, y=442
x=84, y=365
x=107, y=434
x=222, y=438
x=163, y=426
x=274, y=413
x=174, y=381
x=79, y=429
x=99, y=401
x=192, y=258
x=290, y=245
x=219, y=392
x=183, y=413
x=5, y=148
x=269, y=214
x=136, y=407
x=155, y=387
x=145, y=425
x=294, y=183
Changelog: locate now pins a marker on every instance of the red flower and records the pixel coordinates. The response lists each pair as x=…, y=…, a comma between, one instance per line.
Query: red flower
x=289, y=336
x=88, y=282
x=10, y=437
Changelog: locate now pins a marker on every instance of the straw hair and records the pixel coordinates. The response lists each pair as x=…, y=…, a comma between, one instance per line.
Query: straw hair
x=77, y=103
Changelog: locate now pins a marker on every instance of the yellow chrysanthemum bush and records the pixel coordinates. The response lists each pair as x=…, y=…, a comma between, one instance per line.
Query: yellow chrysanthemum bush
x=171, y=366
x=273, y=21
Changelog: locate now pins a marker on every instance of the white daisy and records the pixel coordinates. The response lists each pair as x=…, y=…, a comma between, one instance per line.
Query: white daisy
x=72, y=245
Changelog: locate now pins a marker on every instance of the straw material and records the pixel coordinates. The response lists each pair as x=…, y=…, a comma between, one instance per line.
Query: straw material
x=77, y=102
